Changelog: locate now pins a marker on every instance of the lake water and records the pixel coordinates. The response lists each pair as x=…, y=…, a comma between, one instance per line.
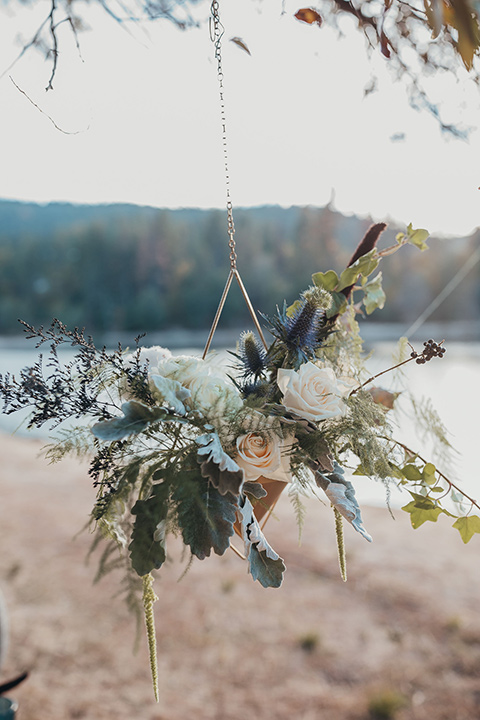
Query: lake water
x=453, y=384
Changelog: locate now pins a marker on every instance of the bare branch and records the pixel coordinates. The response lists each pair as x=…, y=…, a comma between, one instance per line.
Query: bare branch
x=57, y=127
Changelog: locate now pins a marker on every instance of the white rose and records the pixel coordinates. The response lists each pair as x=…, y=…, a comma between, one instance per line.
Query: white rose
x=312, y=392
x=182, y=368
x=153, y=355
x=214, y=396
x=263, y=455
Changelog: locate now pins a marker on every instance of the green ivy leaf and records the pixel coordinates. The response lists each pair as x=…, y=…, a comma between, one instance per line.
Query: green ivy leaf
x=147, y=548
x=417, y=237
x=422, y=509
x=136, y=418
x=429, y=473
x=467, y=527
x=204, y=515
x=374, y=294
x=411, y=472
x=364, y=266
x=338, y=306
x=291, y=310
x=327, y=280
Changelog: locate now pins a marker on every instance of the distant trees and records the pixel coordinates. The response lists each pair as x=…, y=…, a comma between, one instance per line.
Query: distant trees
x=144, y=270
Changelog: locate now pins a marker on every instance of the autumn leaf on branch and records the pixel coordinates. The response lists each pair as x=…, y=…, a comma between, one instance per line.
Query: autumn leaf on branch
x=309, y=16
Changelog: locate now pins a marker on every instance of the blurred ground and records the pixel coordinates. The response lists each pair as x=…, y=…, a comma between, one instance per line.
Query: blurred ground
x=401, y=637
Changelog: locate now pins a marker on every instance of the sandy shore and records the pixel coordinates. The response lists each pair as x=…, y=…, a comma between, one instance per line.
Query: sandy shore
x=404, y=629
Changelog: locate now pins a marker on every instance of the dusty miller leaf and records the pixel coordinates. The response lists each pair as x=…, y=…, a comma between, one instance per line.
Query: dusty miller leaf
x=147, y=553
x=341, y=494
x=204, y=515
x=254, y=489
x=263, y=562
x=172, y=393
x=217, y=466
x=136, y=418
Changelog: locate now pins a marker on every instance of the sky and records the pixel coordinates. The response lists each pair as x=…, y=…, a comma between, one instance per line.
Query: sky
x=142, y=110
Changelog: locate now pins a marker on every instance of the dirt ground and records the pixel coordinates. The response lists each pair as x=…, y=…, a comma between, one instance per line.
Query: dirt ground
x=400, y=639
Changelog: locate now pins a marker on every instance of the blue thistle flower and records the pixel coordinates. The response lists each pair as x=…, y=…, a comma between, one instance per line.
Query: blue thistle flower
x=301, y=332
x=252, y=354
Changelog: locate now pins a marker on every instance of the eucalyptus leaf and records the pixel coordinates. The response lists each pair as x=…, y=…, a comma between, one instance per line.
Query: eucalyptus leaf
x=147, y=548
x=222, y=471
x=136, y=418
x=204, y=515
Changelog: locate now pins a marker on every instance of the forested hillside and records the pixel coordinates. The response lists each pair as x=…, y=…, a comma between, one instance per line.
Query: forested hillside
x=129, y=268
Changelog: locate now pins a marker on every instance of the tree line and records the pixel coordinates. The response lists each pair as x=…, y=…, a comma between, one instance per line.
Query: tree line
x=126, y=268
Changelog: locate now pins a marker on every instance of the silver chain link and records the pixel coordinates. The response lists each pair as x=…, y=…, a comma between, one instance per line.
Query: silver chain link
x=216, y=34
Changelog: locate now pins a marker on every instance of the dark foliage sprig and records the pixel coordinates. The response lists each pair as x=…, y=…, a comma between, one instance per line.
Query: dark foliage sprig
x=56, y=391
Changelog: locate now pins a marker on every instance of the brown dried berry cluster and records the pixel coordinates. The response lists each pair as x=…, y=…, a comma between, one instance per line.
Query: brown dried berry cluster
x=431, y=350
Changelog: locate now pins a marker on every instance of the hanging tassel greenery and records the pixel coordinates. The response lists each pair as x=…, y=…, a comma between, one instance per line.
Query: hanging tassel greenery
x=149, y=598
x=342, y=560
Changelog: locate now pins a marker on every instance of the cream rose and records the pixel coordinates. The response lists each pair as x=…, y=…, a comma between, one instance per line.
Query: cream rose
x=265, y=455
x=312, y=392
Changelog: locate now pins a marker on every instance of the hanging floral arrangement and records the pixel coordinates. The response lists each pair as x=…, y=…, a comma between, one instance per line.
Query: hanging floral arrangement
x=182, y=446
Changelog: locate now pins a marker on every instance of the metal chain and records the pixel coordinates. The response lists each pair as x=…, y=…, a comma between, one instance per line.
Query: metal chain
x=216, y=34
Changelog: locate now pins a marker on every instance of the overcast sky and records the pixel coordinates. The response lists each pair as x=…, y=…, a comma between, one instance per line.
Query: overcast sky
x=145, y=110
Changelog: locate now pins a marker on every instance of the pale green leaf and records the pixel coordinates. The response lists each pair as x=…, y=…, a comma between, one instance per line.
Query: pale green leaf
x=374, y=295
x=429, y=473
x=467, y=527
x=365, y=265
x=417, y=237
x=411, y=472
x=422, y=509
x=327, y=280
x=339, y=304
